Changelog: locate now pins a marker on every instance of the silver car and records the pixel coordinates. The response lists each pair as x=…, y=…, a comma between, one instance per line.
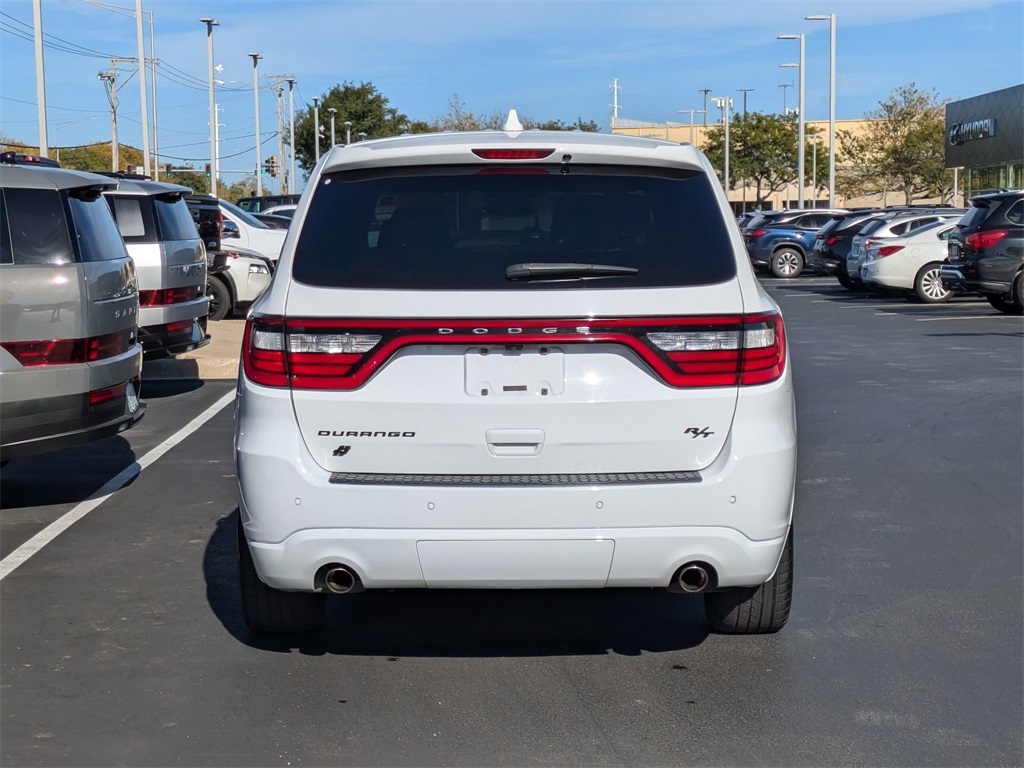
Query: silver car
x=901, y=223
x=170, y=261
x=70, y=358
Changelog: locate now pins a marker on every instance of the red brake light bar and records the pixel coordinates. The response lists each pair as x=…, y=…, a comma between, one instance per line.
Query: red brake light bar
x=167, y=296
x=513, y=154
x=710, y=351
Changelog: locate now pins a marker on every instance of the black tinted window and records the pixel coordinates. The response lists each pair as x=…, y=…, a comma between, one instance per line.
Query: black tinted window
x=459, y=229
x=98, y=238
x=6, y=254
x=134, y=217
x=1015, y=215
x=174, y=218
x=38, y=226
x=974, y=216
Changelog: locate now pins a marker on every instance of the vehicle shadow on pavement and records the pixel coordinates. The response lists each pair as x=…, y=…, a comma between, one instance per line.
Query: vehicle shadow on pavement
x=467, y=623
x=30, y=482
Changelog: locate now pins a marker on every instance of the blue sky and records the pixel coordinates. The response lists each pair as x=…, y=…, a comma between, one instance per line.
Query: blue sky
x=550, y=59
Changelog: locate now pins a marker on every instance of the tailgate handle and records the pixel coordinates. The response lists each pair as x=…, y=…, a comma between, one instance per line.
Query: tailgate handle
x=514, y=442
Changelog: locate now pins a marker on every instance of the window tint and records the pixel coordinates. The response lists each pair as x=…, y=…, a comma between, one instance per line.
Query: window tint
x=454, y=228
x=974, y=216
x=38, y=226
x=247, y=218
x=6, y=254
x=174, y=218
x=134, y=217
x=98, y=238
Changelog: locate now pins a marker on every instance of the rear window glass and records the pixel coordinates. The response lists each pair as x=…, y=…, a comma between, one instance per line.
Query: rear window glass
x=975, y=215
x=134, y=217
x=174, y=218
x=1015, y=215
x=459, y=229
x=98, y=238
x=38, y=226
x=6, y=254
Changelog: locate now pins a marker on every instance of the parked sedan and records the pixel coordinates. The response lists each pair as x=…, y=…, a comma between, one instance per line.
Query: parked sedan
x=889, y=226
x=910, y=263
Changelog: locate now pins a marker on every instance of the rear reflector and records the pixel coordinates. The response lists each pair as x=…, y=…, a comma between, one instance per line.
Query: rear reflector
x=708, y=351
x=980, y=240
x=71, y=351
x=100, y=396
x=513, y=154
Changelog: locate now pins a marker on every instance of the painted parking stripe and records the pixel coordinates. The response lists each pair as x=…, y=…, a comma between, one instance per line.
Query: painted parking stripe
x=61, y=524
x=960, y=317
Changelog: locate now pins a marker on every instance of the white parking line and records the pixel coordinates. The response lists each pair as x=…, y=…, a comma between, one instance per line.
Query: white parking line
x=61, y=524
x=959, y=317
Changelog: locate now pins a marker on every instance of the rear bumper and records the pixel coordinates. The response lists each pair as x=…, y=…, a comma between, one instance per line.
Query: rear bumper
x=824, y=265
x=174, y=338
x=963, y=278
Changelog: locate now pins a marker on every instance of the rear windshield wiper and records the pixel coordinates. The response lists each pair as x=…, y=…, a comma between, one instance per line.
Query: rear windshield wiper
x=559, y=270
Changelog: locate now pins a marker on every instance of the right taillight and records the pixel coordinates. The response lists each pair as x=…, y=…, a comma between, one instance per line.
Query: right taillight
x=833, y=239
x=759, y=233
x=982, y=240
x=889, y=250
x=685, y=352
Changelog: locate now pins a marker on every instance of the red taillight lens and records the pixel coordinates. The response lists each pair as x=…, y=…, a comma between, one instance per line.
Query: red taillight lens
x=759, y=233
x=833, y=239
x=981, y=240
x=711, y=351
x=100, y=396
x=513, y=154
x=70, y=351
x=167, y=296
x=889, y=250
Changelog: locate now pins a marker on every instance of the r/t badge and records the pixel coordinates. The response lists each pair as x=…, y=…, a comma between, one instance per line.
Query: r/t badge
x=696, y=432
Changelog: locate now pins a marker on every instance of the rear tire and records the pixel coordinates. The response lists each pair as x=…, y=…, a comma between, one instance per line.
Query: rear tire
x=928, y=285
x=847, y=283
x=1005, y=306
x=787, y=263
x=755, y=610
x=271, y=610
x=220, y=298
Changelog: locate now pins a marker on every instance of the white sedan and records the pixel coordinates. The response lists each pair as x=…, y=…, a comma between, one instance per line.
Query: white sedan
x=910, y=263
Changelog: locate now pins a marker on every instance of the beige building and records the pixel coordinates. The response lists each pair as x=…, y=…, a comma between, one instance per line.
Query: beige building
x=743, y=198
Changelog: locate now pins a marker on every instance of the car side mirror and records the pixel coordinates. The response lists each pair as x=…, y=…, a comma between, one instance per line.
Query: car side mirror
x=230, y=230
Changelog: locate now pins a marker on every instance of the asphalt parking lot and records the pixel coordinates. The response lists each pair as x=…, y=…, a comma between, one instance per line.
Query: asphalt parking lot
x=123, y=643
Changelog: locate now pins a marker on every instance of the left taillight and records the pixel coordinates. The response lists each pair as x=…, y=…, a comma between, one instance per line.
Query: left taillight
x=166, y=296
x=982, y=240
x=70, y=351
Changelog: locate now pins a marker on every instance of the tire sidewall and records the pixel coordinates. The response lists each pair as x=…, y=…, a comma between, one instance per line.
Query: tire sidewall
x=782, y=252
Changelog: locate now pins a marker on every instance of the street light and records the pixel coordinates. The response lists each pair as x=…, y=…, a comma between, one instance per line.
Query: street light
x=333, y=111
x=800, y=122
x=831, y=19
x=745, y=91
x=256, y=99
x=348, y=131
x=316, y=130
x=724, y=103
x=814, y=171
x=210, y=24
x=692, y=113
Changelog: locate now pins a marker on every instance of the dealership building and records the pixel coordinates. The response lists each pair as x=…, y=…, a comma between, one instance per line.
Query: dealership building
x=985, y=138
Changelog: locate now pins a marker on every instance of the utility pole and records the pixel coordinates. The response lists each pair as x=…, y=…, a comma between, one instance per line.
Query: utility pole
x=153, y=63
x=256, y=100
x=109, y=79
x=210, y=24
x=142, y=87
x=37, y=23
x=705, y=91
x=316, y=129
x=280, y=135
x=615, y=101
x=745, y=91
x=333, y=112
x=215, y=160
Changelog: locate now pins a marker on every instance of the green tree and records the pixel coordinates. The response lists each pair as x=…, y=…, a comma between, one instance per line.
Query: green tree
x=459, y=118
x=194, y=180
x=901, y=148
x=245, y=187
x=366, y=108
x=762, y=151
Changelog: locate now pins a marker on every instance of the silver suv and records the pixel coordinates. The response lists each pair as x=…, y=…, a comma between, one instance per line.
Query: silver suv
x=170, y=262
x=515, y=359
x=69, y=354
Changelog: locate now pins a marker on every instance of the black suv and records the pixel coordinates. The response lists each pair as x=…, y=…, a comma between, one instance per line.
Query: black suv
x=986, y=251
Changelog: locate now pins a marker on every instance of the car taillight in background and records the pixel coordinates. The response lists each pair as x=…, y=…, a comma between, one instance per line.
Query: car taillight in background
x=889, y=250
x=833, y=239
x=982, y=240
x=167, y=296
x=71, y=351
x=758, y=233
x=714, y=351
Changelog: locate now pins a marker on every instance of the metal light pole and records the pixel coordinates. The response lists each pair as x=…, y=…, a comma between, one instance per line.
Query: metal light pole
x=745, y=91
x=291, y=130
x=316, y=130
x=814, y=171
x=210, y=24
x=332, y=110
x=348, y=131
x=831, y=19
x=142, y=87
x=256, y=99
x=800, y=121
x=784, y=87
x=37, y=23
x=724, y=103
x=692, y=113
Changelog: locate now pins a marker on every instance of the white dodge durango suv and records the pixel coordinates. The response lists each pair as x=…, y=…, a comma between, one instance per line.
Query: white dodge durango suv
x=515, y=359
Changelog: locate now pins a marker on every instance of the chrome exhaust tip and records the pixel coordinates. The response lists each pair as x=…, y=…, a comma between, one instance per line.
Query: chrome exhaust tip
x=693, y=578
x=340, y=580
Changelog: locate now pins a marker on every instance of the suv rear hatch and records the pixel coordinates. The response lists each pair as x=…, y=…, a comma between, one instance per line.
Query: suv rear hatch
x=478, y=323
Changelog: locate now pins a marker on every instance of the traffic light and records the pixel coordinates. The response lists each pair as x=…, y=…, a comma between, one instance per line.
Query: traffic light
x=167, y=169
x=207, y=170
x=273, y=166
